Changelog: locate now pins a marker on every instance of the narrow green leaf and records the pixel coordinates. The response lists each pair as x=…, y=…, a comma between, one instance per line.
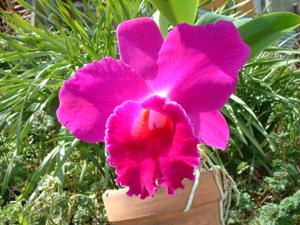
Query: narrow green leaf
x=229, y=113
x=60, y=170
x=83, y=171
x=12, y=56
x=7, y=178
x=88, y=155
x=20, y=24
x=256, y=122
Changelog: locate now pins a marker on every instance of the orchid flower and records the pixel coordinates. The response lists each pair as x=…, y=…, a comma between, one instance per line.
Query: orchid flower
x=157, y=102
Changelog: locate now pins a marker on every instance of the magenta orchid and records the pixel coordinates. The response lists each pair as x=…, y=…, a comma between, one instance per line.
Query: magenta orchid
x=154, y=105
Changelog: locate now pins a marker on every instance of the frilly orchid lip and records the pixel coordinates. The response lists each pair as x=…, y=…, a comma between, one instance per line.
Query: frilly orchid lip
x=151, y=144
x=192, y=72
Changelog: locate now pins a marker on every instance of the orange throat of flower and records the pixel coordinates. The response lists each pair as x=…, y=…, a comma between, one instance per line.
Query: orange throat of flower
x=152, y=125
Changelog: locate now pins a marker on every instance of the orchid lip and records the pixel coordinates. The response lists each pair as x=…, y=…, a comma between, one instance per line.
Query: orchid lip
x=147, y=141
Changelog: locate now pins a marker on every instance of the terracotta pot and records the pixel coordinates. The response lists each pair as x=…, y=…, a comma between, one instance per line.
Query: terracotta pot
x=165, y=209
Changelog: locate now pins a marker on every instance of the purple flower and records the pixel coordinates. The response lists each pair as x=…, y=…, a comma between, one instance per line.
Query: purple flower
x=157, y=102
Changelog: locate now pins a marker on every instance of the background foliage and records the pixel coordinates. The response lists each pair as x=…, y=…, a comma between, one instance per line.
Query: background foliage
x=48, y=177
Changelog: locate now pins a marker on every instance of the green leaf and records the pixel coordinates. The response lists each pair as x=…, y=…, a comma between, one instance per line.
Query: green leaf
x=177, y=11
x=7, y=177
x=262, y=31
x=208, y=18
x=162, y=23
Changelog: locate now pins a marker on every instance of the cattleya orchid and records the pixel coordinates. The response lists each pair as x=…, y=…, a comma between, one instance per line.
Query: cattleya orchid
x=154, y=105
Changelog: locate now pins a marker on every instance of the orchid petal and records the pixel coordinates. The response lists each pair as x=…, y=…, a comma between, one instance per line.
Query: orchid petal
x=87, y=99
x=211, y=129
x=139, y=43
x=198, y=65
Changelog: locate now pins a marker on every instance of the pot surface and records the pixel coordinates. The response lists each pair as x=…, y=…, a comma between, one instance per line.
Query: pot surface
x=163, y=209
